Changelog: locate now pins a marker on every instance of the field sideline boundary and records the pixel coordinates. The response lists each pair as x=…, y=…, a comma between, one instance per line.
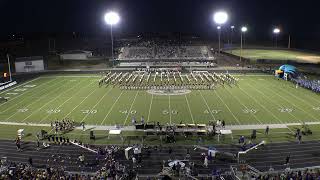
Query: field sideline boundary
x=132, y=128
x=73, y=76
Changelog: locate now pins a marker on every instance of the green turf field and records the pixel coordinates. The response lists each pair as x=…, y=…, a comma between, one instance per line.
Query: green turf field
x=258, y=99
x=255, y=54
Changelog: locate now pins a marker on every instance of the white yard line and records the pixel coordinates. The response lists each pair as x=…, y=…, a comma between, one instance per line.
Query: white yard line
x=79, y=103
x=227, y=108
x=72, y=87
x=65, y=101
x=293, y=104
x=14, y=87
x=266, y=97
x=24, y=99
x=96, y=104
x=252, y=114
x=134, y=100
x=150, y=108
x=170, y=111
x=35, y=100
x=132, y=128
x=262, y=106
x=293, y=95
x=112, y=107
x=69, y=76
x=205, y=101
x=254, y=75
x=23, y=92
x=189, y=108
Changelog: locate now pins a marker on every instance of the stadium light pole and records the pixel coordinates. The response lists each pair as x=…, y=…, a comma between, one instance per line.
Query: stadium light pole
x=276, y=31
x=9, y=67
x=220, y=18
x=112, y=18
x=243, y=31
x=219, y=35
x=232, y=29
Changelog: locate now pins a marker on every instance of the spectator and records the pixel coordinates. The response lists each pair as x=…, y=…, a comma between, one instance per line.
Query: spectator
x=267, y=130
x=30, y=161
x=205, y=163
x=18, y=143
x=287, y=160
x=81, y=159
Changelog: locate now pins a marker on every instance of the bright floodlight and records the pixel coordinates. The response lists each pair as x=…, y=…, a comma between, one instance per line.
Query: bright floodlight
x=244, y=29
x=111, y=18
x=218, y=27
x=276, y=31
x=220, y=17
x=232, y=27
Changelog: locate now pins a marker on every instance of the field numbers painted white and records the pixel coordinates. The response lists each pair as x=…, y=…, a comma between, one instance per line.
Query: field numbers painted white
x=126, y=112
x=12, y=93
x=249, y=111
x=53, y=111
x=285, y=110
x=23, y=110
x=20, y=89
x=316, y=108
x=213, y=111
x=166, y=112
x=29, y=86
x=88, y=111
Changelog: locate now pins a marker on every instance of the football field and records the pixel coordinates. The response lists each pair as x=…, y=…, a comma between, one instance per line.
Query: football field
x=258, y=99
x=275, y=54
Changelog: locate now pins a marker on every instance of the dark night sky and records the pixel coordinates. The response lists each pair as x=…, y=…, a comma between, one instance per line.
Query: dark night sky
x=298, y=18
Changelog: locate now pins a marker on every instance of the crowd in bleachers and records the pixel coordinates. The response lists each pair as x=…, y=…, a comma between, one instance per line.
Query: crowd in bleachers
x=26, y=171
x=162, y=50
x=313, y=85
x=110, y=168
x=307, y=174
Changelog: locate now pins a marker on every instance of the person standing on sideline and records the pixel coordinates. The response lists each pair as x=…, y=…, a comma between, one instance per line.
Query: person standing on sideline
x=223, y=124
x=83, y=127
x=133, y=120
x=267, y=130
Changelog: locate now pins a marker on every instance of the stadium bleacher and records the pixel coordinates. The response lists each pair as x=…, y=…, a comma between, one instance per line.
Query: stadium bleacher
x=62, y=160
x=163, y=50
